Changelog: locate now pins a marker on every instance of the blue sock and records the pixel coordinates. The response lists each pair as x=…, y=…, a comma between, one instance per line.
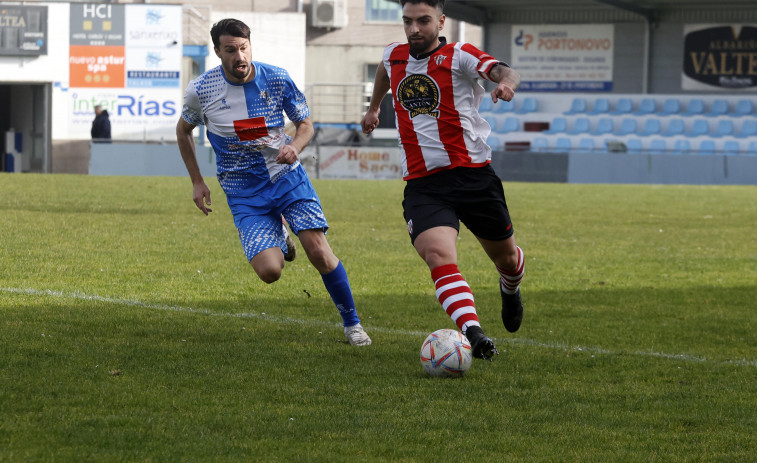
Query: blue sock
x=338, y=286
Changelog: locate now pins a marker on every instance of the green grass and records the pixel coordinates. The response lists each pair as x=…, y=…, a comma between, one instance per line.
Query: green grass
x=132, y=329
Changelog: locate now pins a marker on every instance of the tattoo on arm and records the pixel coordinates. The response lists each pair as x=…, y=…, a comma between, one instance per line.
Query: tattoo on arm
x=505, y=75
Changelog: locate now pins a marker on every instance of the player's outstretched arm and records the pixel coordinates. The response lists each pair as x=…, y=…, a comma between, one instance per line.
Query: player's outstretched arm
x=186, y=142
x=380, y=87
x=507, y=80
x=289, y=154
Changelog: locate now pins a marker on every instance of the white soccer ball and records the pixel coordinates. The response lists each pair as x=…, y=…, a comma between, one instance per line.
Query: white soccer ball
x=446, y=353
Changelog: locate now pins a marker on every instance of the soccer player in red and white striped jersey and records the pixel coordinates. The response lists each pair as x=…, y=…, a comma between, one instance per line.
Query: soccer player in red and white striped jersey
x=436, y=92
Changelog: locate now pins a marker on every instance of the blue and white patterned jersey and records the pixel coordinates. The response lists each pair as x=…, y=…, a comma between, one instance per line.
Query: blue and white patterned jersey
x=245, y=124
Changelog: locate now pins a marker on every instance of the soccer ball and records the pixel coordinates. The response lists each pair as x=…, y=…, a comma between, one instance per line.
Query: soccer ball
x=446, y=353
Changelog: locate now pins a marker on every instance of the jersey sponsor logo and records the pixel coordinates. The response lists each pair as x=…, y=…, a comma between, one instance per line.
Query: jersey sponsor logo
x=419, y=94
x=224, y=105
x=251, y=129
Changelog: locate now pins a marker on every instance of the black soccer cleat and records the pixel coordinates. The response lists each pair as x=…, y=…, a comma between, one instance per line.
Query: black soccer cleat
x=512, y=310
x=482, y=346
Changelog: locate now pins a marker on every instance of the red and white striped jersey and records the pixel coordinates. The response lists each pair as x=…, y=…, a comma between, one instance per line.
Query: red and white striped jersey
x=436, y=99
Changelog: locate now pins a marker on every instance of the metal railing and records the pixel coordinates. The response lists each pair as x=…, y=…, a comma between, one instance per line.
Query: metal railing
x=338, y=103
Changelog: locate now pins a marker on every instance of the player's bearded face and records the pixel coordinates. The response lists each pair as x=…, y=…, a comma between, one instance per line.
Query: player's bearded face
x=422, y=26
x=236, y=58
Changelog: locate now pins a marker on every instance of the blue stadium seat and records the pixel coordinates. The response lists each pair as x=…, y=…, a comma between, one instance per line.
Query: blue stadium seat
x=651, y=127
x=675, y=127
x=743, y=108
x=681, y=146
x=724, y=128
x=601, y=106
x=658, y=146
x=627, y=126
x=699, y=128
x=624, y=106
x=581, y=125
x=486, y=105
x=539, y=144
x=507, y=125
x=577, y=107
x=530, y=105
x=719, y=108
x=748, y=129
x=695, y=108
x=586, y=145
x=647, y=106
x=731, y=148
x=562, y=145
x=634, y=146
x=670, y=107
x=503, y=106
x=751, y=150
x=706, y=147
x=494, y=142
x=558, y=125
x=604, y=126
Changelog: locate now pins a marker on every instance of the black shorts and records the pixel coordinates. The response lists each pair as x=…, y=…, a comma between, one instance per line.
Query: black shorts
x=473, y=195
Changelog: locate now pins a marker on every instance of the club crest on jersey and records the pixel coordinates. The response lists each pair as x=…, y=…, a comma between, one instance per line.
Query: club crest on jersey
x=265, y=95
x=439, y=59
x=419, y=94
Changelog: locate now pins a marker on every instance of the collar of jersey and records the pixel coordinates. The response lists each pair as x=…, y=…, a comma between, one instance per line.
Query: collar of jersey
x=443, y=42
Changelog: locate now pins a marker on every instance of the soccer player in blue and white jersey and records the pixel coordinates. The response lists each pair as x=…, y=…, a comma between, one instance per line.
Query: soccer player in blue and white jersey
x=242, y=104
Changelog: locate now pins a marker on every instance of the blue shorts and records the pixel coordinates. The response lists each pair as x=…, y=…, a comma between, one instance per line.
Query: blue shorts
x=258, y=218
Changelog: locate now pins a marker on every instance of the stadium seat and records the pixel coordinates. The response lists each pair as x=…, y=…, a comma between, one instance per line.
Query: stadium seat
x=494, y=142
x=577, y=107
x=601, y=106
x=539, y=144
x=627, y=127
x=670, y=107
x=651, y=127
x=529, y=105
x=562, y=145
x=581, y=125
x=586, y=145
x=604, y=126
x=743, y=108
x=486, y=105
x=647, y=106
x=633, y=145
x=624, y=106
x=724, y=128
x=695, y=108
x=700, y=127
x=658, y=146
x=558, y=125
x=719, y=108
x=751, y=150
x=681, y=146
x=706, y=147
x=731, y=148
x=675, y=127
x=503, y=107
x=507, y=125
x=748, y=129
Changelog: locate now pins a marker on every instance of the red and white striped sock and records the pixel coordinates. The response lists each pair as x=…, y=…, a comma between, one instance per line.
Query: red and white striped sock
x=455, y=296
x=510, y=282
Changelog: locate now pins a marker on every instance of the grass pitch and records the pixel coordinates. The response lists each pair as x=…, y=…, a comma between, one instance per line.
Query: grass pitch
x=132, y=329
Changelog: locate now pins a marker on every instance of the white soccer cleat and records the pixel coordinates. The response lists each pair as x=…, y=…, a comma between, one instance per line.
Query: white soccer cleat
x=291, y=248
x=356, y=335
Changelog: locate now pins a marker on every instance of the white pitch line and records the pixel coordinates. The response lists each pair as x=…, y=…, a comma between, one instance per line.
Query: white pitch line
x=295, y=321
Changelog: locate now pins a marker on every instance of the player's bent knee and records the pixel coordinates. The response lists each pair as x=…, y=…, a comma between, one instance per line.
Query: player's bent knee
x=269, y=275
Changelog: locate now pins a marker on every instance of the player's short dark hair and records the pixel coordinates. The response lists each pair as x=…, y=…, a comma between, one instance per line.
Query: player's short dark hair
x=229, y=26
x=438, y=4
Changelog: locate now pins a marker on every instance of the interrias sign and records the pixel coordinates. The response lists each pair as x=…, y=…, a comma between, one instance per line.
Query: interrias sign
x=720, y=57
